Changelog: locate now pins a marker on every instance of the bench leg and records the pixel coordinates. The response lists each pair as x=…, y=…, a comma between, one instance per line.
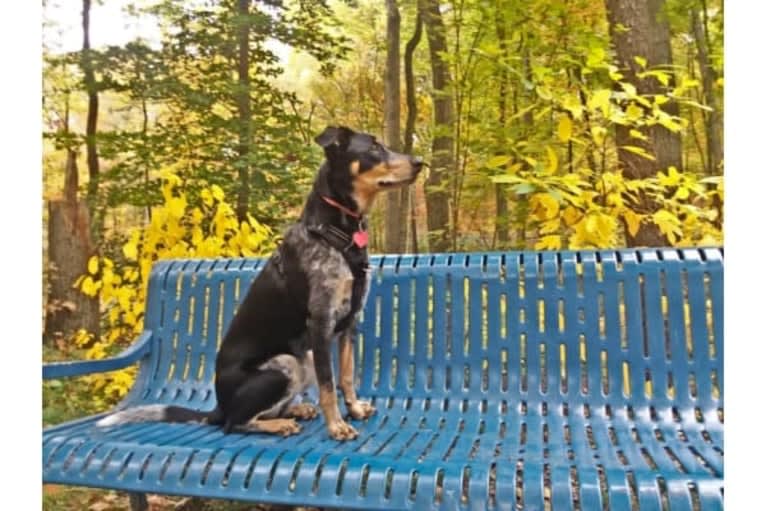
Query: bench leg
x=138, y=502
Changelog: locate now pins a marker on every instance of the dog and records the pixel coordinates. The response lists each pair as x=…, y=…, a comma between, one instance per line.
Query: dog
x=309, y=293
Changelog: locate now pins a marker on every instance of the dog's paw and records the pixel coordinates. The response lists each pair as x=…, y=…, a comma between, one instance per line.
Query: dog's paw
x=284, y=427
x=303, y=411
x=341, y=430
x=360, y=409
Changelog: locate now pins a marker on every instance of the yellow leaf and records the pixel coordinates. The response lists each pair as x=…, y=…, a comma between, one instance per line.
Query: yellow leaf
x=544, y=206
x=553, y=161
x=633, y=221
x=600, y=99
x=672, y=178
x=629, y=88
x=641, y=61
x=550, y=226
x=637, y=134
x=217, y=192
x=207, y=197
x=130, y=251
x=89, y=287
x=638, y=150
x=682, y=193
x=668, y=223
x=668, y=122
x=633, y=112
x=498, y=161
x=93, y=265
x=177, y=206
x=565, y=128
x=595, y=56
x=571, y=215
x=572, y=104
x=550, y=242
x=599, y=134
x=196, y=216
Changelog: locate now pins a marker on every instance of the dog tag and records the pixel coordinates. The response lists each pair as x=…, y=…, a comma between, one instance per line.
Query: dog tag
x=360, y=239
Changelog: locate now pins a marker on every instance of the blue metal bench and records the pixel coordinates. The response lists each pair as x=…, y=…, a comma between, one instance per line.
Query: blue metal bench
x=584, y=380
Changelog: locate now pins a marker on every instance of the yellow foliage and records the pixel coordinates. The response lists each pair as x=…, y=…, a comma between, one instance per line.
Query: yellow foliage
x=176, y=230
x=565, y=128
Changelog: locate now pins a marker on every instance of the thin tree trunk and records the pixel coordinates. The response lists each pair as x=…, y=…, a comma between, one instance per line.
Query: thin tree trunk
x=409, y=81
x=396, y=210
x=712, y=119
x=412, y=113
x=91, y=125
x=647, y=36
x=501, y=198
x=437, y=195
x=144, y=134
x=243, y=108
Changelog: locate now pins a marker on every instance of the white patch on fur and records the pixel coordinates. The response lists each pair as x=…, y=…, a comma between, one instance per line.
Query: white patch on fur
x=136, y=414
x=300, y=375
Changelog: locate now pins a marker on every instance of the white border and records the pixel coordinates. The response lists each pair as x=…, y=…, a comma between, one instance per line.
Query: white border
x=20, y=133
x=744, y=334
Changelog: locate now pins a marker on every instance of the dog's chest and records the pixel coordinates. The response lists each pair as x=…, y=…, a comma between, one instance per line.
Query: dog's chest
x=348, y=282
x=359, y=289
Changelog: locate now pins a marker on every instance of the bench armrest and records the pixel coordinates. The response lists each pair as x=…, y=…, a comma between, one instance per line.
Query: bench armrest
x=78, y=368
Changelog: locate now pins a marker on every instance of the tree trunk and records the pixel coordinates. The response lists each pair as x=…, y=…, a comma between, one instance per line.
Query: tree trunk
x=712, y=119
x=69, y=248
x=396, y=210
x=91, y=125
x=409, y=82
x=501, y=199
x=412, y=113
x=243, y=108
x=647, y=36
x=442, y=163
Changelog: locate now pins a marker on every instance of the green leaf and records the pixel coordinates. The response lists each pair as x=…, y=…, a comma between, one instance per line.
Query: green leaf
x=524, y=188
x=595, y=56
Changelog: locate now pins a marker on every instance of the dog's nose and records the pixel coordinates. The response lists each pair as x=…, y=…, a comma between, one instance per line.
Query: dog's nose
x=417, y=163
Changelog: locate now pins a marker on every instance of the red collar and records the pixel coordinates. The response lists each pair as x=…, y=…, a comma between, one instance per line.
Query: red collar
x=341, y=207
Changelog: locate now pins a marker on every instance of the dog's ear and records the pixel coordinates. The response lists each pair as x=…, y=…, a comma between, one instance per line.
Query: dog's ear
x=334, y=136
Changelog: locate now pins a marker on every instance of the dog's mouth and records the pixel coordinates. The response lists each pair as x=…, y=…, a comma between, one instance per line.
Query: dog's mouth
x=390, y=184
x=393, y=184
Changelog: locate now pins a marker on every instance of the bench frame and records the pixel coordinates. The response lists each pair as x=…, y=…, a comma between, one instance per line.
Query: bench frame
x=518, y=429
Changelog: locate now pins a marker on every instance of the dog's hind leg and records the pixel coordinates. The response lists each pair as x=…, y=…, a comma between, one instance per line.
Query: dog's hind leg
x=259, y=393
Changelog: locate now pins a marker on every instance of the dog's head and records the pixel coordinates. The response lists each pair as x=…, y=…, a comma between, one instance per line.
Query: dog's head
x=363, y=166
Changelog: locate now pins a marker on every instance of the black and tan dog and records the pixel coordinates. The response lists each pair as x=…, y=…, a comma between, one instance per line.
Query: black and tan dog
x=308, y=293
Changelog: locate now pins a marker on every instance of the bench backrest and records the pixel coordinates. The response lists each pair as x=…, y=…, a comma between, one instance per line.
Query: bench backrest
x=628, y=327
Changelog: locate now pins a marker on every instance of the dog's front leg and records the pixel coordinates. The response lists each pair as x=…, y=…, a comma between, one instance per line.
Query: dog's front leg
x=320, y=333
x=357, y=409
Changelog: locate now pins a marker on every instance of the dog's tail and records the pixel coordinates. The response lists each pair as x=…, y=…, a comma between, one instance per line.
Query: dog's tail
x=159, y=413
